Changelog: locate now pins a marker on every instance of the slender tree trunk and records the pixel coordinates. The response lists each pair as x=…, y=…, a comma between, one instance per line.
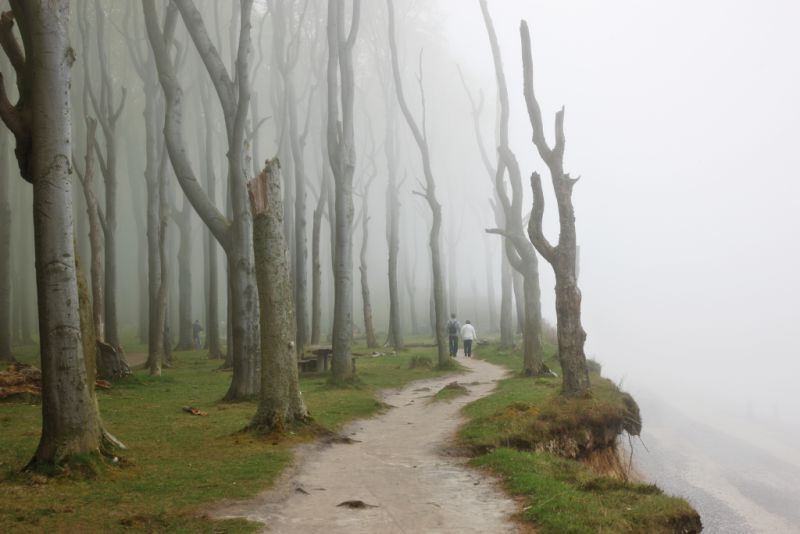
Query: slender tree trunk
x=392, y=226
x=42, y=127
x=95, y=235
x=280, y=402
x=316, y=268
x=369, y=329
x=184, y=224
x=519, y=300
x=420, y=137
x=5, y=245
x=490, y=290
x=341, y=150
x=210, y=249
x=506, y=314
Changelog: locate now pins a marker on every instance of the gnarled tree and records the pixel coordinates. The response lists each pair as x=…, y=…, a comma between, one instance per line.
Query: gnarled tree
x=519, y=250
x=563, y=256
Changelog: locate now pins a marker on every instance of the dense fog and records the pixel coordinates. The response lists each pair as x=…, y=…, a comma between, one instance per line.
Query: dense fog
x=681, y=119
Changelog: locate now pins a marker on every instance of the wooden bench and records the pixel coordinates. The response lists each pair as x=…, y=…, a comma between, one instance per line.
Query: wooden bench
x=317, y=362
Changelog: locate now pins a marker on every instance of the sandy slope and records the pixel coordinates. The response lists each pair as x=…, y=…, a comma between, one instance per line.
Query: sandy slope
x=396, y=465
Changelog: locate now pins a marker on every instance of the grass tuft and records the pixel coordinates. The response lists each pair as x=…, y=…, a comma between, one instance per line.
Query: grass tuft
x=450, y=392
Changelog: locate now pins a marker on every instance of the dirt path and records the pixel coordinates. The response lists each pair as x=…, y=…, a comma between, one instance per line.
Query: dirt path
x=397, y=466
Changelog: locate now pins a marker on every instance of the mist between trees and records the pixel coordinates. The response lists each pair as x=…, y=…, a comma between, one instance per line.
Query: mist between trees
x=402, y=200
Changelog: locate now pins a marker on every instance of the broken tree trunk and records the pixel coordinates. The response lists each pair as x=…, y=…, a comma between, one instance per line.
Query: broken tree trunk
x=280, y=403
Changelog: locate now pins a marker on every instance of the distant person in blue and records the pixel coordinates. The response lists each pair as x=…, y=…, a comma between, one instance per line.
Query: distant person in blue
x=196, y=329
x=453, y=329
x=468, y=335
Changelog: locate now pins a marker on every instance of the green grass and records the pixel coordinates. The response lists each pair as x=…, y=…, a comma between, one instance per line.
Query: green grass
x=451, y=391
x=176, y=463
x=563, y=496
x=516, y=430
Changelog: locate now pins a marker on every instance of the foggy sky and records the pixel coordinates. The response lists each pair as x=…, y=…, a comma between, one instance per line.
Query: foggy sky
x=681, y=118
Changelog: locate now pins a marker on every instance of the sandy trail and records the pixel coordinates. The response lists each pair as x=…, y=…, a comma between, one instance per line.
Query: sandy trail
x=397, y=466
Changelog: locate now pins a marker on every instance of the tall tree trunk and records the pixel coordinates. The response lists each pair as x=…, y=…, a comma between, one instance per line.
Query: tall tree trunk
x=210, y=245
x=420, y=137
x=490, y=290
x=5, y=245
x=519, y=300
x=369, y=329
x=392, y=224
x=184, y=224
x=95, y=234
x=42, y=127
x=506, y=314
x=563, y=256
x=280, y=402
x=342, y=155
x=316, y=267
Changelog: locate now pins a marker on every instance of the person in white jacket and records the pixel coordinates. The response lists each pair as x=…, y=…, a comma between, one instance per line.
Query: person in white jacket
x=468, y=335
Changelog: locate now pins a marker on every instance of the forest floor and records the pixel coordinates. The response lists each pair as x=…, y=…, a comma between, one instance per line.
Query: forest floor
x=400, y=465
x=177, y=464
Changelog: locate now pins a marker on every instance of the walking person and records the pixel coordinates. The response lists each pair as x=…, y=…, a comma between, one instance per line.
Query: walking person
x=468, y=335
x=196, y=329
x=453, y=328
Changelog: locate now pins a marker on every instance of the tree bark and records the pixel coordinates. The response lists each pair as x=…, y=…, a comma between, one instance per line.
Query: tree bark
x=420, y=137
x=280, y=404
x=342, y=155
x=41, y=124
x=563, y=256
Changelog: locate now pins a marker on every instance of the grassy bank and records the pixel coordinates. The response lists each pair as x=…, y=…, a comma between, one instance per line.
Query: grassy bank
x=176, y=463
x=559, y=455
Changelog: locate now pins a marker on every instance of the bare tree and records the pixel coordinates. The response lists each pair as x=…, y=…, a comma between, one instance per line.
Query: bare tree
x=40, y=122
x=519, y=250
x=280, y=403
x=235, y=235
x=429, y=194
x=342, y=155
x=563, y=256
x=392, y=208
x=183, y=220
